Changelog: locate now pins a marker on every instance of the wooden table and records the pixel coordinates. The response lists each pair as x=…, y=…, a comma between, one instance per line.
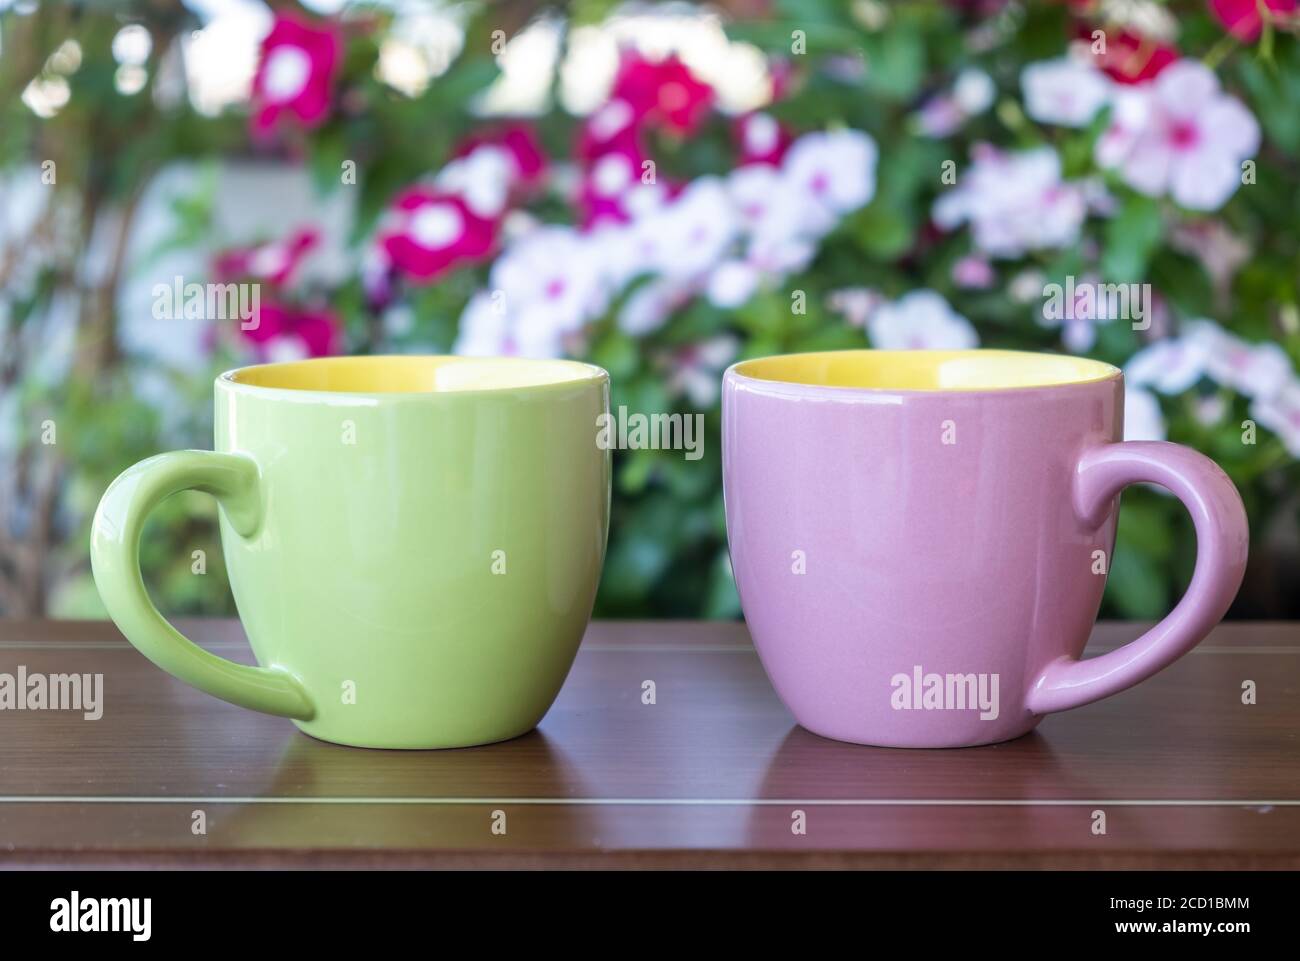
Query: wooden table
x=711, y=775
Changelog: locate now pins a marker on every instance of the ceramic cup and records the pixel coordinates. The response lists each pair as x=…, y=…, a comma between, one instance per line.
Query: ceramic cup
x=413, y=543
x=921, y=538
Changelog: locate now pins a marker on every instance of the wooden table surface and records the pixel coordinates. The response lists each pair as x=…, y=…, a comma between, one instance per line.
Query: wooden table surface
x=710, y=775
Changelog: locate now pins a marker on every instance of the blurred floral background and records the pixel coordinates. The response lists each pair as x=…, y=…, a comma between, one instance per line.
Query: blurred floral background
x=661, y=189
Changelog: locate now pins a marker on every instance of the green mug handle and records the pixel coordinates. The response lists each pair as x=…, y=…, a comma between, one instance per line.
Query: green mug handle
x=115, y=560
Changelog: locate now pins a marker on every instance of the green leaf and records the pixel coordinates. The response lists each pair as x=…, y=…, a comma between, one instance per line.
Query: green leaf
x=1136, y=586
x=722, y=600
x=1131, y=238
x=895, y=61
x=883, y=231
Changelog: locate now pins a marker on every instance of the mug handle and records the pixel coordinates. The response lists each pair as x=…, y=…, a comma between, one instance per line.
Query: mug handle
x=115, y=560
x=1222, y=537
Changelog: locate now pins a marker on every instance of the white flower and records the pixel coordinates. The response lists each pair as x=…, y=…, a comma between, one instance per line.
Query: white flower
x=619, y=253
x=1210, y=409
x=697, y=368
x=752, y=189
x=1066, y=91
x=921, y=319
x=836, y=170
x=649, y=306
x=1280, y=413
x=939, y=117
x=550, y=283
x=1077, y=309
x=1146, y=18
x=1180, y=135
x=973, y=91
x=722, y=237
x=1170, y=366
x=1205, y=349
x=943, y=114
x=610, y=121
x=282, y=349
x=1014, y=202
x=761, y=134
x=854, y=304
x=483, y=330
x=732, y=283
x=488, y=330
x=436, y=225
x=482, y=178
x=776, y=254
x=687, y=236
x=1142, y=417
x=613, y=174
x=1254, y=370
x=1027, y=286
x=617, y=177
x=288, y=68
x=781, y=222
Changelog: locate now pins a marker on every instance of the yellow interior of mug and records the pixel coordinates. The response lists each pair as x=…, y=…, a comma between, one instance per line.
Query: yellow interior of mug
x=412, y=374
x=927, y=369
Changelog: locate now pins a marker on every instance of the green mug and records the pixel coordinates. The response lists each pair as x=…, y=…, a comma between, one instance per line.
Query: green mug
x=413, y=543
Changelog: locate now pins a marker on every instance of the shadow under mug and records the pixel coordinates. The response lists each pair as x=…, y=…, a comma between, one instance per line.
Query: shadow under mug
x=413, y=543
x=920, y=539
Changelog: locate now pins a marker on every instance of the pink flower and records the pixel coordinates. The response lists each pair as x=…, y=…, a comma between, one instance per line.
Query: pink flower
x=973, y=272
x=1015, y=202
x=1242, y=18
x=695, y=368
x=855, y=304
x=296, y=73
x=781, y=72
x=429, y=232
x=519, y=141
x=1142, y=417
x=920, y=320
x=275, y=262
x=836, y=170
x=1182, y=135
x=613, y=189
x=761, y=139
x=1064, y=91
x=613, y=127
x=281, y=332
x=1130, y=57
x=662, y=93
x=1280, y=413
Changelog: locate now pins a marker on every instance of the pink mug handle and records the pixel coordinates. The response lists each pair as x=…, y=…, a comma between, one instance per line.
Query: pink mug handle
x=1222, y=537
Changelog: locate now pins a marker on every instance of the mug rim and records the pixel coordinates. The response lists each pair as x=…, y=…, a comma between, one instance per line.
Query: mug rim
x=583, y=373
x=737, y=376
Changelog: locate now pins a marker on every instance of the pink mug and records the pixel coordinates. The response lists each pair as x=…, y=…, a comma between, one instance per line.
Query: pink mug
x=921, y=538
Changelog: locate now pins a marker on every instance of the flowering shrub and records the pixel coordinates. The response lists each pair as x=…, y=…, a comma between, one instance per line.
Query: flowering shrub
x=1116, y=180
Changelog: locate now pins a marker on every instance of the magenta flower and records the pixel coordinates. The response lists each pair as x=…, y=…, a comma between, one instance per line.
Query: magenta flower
x=281, y=332
x=1130, y=57
x=430, y=232
x=275, y=262
x=1242, y=18
x=296, y=73
x=614, y=127
x=520, y=142
x=662, y=93
x=613, y=189
x=761, y=139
